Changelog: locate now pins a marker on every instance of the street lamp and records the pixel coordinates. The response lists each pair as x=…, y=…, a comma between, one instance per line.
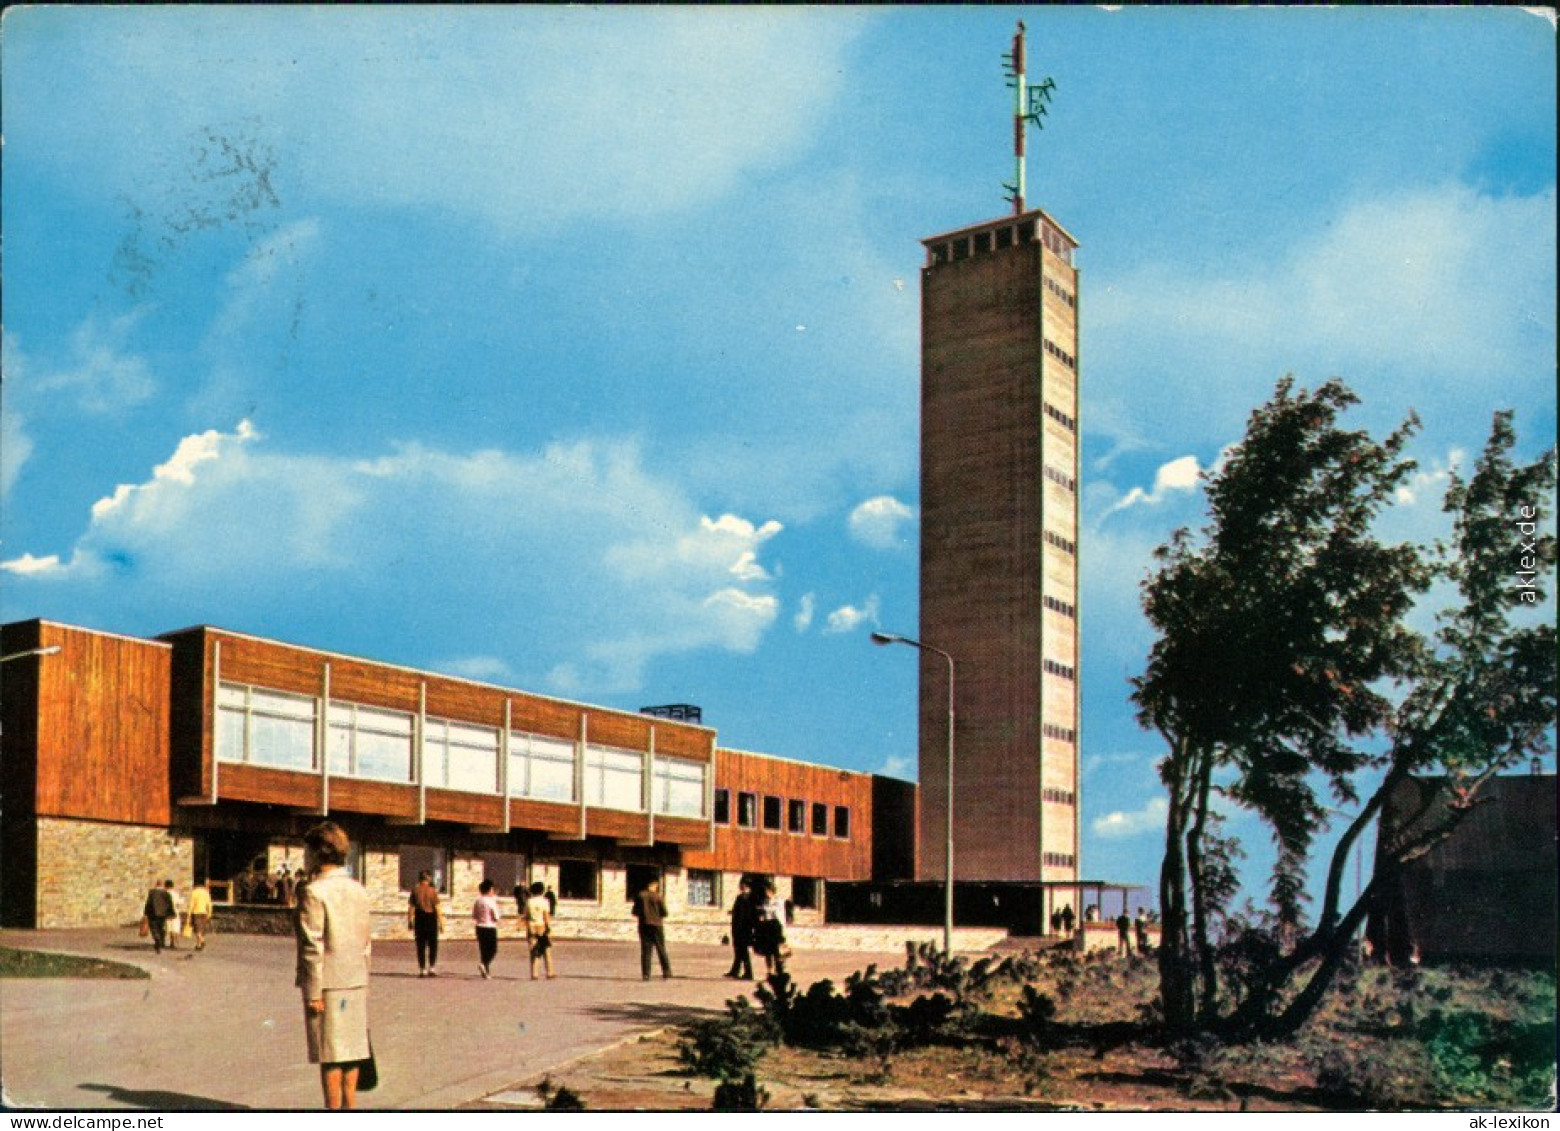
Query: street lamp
x=49, y=651
x=890, y=638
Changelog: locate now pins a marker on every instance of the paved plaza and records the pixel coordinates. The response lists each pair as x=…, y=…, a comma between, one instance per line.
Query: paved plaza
x=223, y=1030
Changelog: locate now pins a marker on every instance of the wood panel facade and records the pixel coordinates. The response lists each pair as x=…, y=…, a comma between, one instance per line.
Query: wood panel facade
x=782, y=851
x=205, y=658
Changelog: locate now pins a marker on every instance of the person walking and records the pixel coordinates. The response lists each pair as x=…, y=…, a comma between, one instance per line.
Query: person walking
x=1124, y=934
x=157, y=911
x=769, y=929
x=538, y=928
x=650, y=910
x=425, y=917
x=200, y=912
x=485, y=915
x=742, y=923
x=1140, y=929
x=332, y=923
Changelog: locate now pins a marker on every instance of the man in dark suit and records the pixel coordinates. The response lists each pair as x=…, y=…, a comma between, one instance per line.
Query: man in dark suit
x=650, y=910
x=158, y=910
x=743, y=919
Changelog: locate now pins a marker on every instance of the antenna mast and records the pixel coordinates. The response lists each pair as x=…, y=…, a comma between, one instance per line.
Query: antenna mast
x=1029, y=103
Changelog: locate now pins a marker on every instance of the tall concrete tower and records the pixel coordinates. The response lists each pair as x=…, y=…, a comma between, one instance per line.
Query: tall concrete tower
x=999, y=548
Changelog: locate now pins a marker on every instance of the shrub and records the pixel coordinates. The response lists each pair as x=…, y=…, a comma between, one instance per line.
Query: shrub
x=740, y=1095
x=1387, y=1075
x=728, y=1047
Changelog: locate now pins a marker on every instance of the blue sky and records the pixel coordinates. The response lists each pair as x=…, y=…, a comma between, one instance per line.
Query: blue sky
x=576, y=349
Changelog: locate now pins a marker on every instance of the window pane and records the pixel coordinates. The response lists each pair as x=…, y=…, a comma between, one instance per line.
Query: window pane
x=288, y=743
x=473, y=758
x=614, y=778
x=796, y=816
x=230, y=735
x=552, y=769
x=418, y=858
x=703, y=888
x=384, y=757
x=679, y=787
x=576, y=879
x=842, y=822
x=747, y=810
x=772, y=813
x=280, y=703
x=820, y=821
x=723, y=806
x=339, y=743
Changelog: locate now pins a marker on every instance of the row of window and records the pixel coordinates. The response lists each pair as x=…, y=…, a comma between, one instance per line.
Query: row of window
x=1061, y=734
x=1060, y=478
x=996, y=239
x=1060, y=354
x=1060, y=417
x=1060, y=796
x=1059, y=606
x=1059, y=859
x=779, y=813
x=578, y=880
x=1059, y=669
x=1060, y=291
x=1061, y=543
x=278, y=729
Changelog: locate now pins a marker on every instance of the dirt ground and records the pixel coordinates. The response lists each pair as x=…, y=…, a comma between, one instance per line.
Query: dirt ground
x=645, y=1074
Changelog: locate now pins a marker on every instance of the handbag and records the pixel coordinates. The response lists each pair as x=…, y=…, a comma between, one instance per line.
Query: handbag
x=368, y=1071
x=146, y=927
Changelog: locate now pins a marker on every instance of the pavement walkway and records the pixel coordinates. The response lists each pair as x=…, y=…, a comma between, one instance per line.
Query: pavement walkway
x=223, y=1029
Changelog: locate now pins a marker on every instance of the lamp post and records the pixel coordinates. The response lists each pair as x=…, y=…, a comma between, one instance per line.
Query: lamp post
x=890, y=638
x=49, y=651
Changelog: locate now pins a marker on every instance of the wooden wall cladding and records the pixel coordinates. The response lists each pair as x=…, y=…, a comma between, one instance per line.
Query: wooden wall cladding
x=617, y=824
x=103, y=726
x=786, y=853
x=269, y=786
x=387, y=799
x=683, y=831
x=465, y=808
x=544, y=816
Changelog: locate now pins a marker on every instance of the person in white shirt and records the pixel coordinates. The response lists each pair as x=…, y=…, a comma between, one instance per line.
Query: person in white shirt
x=485, y=914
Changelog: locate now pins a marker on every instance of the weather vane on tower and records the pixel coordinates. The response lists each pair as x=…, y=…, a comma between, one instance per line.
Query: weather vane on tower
x=1029, y=103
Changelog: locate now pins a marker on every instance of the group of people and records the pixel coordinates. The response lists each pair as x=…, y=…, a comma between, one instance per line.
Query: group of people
x=1127, y=928
x=333, y=928
x=536, y=904
x=163, y=922
x=758, y=917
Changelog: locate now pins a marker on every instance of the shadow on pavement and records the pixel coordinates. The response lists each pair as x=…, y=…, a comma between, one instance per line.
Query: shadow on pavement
x=162, y=1101
x=651, y=1013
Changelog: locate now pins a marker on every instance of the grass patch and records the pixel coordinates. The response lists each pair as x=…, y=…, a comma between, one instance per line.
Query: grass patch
x=40, y=964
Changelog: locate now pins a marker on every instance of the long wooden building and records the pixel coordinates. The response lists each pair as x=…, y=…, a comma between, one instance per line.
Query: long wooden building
x=205, y=754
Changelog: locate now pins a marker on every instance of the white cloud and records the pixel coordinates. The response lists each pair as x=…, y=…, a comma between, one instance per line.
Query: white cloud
x=878, y=522
x=848, y=618
x=16, y=447
x=29, y=566
x=99, y=376
x=1150, y=818
x=526, y=117
x=898, y=766
x=574, y=558
x=1178, y=475
x=1440, y=294
x=803, y=619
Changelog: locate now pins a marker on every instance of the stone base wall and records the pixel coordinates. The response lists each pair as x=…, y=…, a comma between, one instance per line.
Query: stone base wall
x=95, y=874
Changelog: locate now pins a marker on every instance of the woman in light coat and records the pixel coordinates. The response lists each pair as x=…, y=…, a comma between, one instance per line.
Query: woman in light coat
x=333, y=952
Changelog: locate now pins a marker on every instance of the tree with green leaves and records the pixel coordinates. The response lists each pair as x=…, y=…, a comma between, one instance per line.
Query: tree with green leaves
x=1285, y=676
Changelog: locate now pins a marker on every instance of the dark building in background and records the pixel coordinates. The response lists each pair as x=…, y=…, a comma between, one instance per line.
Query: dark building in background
x=1486, y=894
